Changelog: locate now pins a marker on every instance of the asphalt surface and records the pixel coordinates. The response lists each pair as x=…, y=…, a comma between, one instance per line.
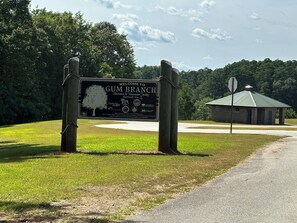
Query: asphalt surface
x=261, y=189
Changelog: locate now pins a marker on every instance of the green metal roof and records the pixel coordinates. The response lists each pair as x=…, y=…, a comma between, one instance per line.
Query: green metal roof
x=248, y=98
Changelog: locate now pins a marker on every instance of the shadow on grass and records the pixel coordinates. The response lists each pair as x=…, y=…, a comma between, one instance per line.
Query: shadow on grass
x=45, y=212
x=101, y=221
x=6, y=126
x=142, y=153
x=6, y=142
x=130, y=221
x=19, y=208
x=22, y=207
x=11, y=151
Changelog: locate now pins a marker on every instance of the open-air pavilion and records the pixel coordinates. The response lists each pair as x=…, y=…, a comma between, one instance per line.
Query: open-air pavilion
x=249, y=107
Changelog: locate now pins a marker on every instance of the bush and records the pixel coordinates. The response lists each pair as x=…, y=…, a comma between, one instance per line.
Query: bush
x=290, y=113
x=202, y=111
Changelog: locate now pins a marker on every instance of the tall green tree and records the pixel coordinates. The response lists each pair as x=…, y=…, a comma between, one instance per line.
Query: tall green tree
x=147, y=72
x=34, y=48
x=113, y=50
x=20, y=95
x=243, y=70
x=185, y=102
x=102, y=51
x=65, y=35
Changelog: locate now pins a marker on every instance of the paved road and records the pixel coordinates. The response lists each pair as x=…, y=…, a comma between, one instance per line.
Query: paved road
x=191, y=127
x=261, y=189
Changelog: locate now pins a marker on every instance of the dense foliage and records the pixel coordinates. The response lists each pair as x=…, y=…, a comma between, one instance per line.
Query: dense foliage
x=35, y=45
x=276, y=79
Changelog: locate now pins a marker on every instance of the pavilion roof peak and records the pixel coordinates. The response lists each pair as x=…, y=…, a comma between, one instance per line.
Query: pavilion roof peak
x=248, y=87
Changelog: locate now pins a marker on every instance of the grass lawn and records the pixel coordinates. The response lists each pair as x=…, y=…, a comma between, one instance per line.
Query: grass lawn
x=288, y=122
x=291, y=125
x=291, y=121
x=115, y=172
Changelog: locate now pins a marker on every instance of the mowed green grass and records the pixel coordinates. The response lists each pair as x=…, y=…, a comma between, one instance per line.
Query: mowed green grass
x=287, y=122
x=33, y=173
x=291, y=124
x=292, y=121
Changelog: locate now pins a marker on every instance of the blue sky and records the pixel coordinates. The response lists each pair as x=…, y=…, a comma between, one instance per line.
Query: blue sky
x=194, y=34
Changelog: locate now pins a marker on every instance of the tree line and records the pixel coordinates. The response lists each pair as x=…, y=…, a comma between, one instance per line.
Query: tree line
x=36, y=44
x=274, y=78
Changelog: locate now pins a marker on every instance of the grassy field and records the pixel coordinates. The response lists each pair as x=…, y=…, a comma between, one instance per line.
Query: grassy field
x=288, y=122
x=113, y=174
x=291, y=125
x=291, y=121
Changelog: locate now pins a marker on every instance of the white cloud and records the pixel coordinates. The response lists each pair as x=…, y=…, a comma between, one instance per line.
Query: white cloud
x=196, y=19
x=257, y=28
x=192, y=14
x=111, y=4
x=131, y=29
x=195, y=15
x=200, y=33
x=208, y=57
x=171, y=10
x=207, y=4
x=181, y=65
x=147, y=33
x=258, y=41
x=143, y=46
x=120, y=5
x=254, y=16
x=107, y=3
x=125, y=17
x=214, y=34
x=152, y=34
x=174, y=11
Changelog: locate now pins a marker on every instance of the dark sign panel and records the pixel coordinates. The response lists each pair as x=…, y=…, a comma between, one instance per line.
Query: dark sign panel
x=120, y=99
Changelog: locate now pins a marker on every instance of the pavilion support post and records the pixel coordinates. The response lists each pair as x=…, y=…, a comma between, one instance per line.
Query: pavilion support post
x=281, y=119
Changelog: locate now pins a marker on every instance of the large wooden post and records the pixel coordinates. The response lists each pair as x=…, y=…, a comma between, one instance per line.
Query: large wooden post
x=165, y=107
x=64, y=107
x=72, y=83
x=174, y=111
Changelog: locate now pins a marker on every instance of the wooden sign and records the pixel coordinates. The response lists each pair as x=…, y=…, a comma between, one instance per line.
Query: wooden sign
x=118, y=99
